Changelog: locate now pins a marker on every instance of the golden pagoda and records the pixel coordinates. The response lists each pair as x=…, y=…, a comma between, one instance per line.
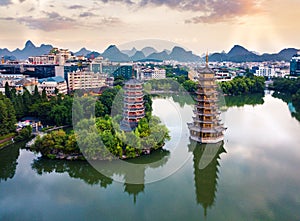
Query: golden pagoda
x=206, y=126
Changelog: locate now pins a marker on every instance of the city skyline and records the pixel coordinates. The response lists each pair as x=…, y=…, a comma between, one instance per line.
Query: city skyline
x=200, y=26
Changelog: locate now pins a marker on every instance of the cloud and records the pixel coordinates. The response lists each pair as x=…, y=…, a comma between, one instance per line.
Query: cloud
x=76, y=7
x=210, y=11
x=31, y=9
x=110, y=21
x=7, y=18
x=226, y=10
x=47, y=24
x=129, y=2
x=5, y=2
x=52, y=21
x=86, y=14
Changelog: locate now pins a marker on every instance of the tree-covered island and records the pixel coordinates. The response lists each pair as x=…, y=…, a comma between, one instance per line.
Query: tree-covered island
x=100, y=137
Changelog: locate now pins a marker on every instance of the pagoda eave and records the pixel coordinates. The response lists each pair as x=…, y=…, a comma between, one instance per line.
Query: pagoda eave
x=211, y=140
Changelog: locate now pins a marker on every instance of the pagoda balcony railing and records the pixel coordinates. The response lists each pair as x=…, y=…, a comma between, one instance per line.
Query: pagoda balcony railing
x=212, y=114
x=209, y=100
x=203, y=130
x=206, y=92
x=133, y=102
x=214, y=130
x=133, y=88
x=211, y=106
x=133, y=116
x=206, y=78
x=126, y=99
x=209, y=86
x=133, y=109
x=209, y=140
x=133, y=95
x=197, y=120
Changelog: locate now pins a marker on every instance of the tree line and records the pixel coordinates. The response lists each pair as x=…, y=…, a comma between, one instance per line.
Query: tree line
x=7, y=116
x=54, y=110
x=243, y=85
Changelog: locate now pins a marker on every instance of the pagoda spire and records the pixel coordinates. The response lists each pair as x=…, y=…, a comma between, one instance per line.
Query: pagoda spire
x=206, y=60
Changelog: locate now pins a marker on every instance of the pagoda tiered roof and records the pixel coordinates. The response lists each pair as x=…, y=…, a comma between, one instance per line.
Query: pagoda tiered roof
x=133, y=104
x=205, y=130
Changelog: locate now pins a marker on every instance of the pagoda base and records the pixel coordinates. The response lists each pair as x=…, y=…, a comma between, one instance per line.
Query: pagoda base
x=207, y=140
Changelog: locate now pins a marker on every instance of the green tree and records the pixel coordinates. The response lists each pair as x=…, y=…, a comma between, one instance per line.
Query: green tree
x=36, y=97
x=7, y=90
x=7, y=116
x=44, y=95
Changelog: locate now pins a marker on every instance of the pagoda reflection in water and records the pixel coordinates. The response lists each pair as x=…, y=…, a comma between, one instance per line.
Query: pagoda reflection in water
x=134, y=177
x=206, y=168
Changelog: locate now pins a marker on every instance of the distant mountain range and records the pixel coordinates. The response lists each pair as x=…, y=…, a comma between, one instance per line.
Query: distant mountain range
x=241, y=54
x=29, y=50
x=236, y=54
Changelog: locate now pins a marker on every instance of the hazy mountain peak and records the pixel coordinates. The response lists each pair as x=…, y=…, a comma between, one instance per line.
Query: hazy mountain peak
x=112, y=47
x=114, y=54
x=131, y=52
x=148, y=51
x=83, y=51
x=29, y=44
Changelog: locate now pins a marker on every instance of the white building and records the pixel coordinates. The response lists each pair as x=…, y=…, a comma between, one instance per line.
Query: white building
x=51, y=84
x=55, y=56
x=266, y=72
x=86, y=80
x=151, y=73
x=158, y=73
x=20, y=84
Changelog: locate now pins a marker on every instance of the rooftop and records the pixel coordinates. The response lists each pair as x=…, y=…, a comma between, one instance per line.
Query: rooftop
x=57, y=79
x=133, y=82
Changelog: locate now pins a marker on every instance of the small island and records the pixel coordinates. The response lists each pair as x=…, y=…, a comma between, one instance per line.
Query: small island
x=128, y=134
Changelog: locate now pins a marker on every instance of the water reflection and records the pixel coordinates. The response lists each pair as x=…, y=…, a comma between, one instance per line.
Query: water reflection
x=206, y=167
x=84, y=171
x=8, y=162
x=288, y=99
x=242, y=100
x=76, y=169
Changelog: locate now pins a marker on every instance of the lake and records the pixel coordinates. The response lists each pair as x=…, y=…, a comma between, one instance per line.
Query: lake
x=253, y=175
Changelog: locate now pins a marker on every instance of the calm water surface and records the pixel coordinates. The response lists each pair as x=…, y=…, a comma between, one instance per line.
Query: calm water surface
x=254, y=175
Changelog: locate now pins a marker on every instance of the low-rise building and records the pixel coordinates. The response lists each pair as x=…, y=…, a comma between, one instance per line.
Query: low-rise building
x=55, y=56
x=86, y=80
x=52, y=84
x=266, y=71
x=151, y=73
x=19, y=82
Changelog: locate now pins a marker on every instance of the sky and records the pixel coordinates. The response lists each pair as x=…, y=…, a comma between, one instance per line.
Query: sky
x=197, y=25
